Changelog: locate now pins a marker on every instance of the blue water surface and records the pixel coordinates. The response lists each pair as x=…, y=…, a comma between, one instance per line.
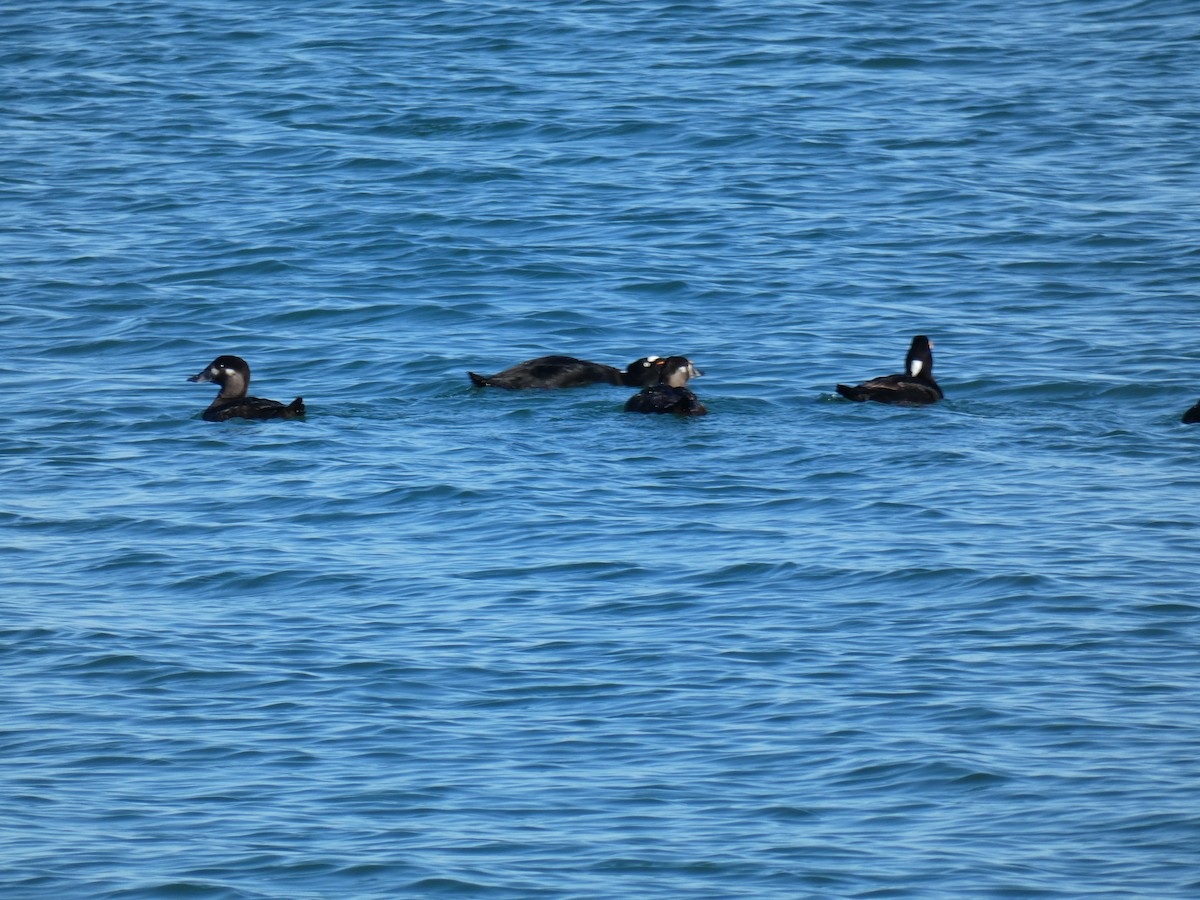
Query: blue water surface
x=438, y=641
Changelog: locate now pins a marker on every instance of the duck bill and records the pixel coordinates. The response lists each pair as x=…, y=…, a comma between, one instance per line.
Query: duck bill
x=201, y=377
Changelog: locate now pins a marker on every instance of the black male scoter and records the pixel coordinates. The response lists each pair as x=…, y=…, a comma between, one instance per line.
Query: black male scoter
x=670, y=394
x=232, y=374
x=914, y=387
x=567, y=371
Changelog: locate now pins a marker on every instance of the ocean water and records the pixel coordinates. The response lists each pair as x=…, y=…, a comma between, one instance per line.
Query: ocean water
x=435, y=641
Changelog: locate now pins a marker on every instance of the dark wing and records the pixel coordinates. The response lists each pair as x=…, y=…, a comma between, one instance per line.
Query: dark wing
x=254, y=408
x=549, y=372
x=665, y=399
x=651, y=400
x=899, y=390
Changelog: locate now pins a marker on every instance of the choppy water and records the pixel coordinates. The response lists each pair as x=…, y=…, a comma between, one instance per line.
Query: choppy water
x=435, y=641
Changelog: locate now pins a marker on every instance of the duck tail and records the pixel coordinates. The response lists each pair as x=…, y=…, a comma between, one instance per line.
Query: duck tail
x=851, y=393
x=479, y=380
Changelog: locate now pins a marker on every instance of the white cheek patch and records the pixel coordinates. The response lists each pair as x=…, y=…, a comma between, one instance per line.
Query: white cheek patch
x=915, y=367
x=227, y=371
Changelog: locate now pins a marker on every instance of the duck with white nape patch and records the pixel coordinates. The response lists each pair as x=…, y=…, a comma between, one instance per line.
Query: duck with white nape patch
x=913, y=387
x=670, y=394
x=232, y=374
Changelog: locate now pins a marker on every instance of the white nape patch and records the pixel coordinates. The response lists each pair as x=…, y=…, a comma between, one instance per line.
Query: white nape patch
x=649, y=360
x=915, y=367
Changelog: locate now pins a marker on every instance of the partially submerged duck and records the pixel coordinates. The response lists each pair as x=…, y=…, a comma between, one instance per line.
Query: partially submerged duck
x=567, y=371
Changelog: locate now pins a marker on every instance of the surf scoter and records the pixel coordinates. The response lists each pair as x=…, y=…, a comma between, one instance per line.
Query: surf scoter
x=914, y=387
x=567, y=371
x=670, y=394
x=233, y=375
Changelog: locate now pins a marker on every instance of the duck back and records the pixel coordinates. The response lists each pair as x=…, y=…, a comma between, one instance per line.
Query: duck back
x=549, y=372
x=663, y=398
x=254, y=408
